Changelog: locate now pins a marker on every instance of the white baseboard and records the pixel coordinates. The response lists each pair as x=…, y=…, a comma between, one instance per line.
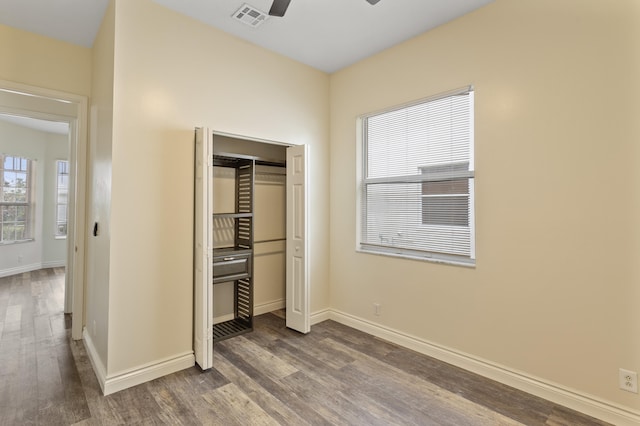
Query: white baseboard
x=29, y=268
x=148, y=372
x=264, y=308
x=584, y=403
x=98, y=367
x=319, y=316
x=138, y=375
x=20, y=269
x=53, y=264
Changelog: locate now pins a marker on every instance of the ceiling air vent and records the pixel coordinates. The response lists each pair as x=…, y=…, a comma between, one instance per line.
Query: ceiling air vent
x=249, y=15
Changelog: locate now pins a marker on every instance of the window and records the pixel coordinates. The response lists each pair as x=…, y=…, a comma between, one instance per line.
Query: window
x=15, y=198
x=62, y=197
x=418, y=178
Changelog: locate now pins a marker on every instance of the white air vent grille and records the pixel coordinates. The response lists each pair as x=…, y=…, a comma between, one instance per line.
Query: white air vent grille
x=250, y=15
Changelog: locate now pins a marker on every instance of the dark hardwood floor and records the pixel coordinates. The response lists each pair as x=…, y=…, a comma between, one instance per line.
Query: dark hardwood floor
x=333, y=376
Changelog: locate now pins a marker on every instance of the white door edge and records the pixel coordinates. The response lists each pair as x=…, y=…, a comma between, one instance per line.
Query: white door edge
x=297, y=251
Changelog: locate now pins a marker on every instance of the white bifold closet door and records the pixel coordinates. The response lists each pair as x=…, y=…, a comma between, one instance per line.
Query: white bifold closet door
x=203, y=251
x=297, y=240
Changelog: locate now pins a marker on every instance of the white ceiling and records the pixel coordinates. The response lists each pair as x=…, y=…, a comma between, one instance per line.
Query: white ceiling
x=74, y=21
x=59, y=127
x=325, y=34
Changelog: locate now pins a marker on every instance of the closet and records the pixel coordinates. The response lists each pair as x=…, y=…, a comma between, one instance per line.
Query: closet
x=241, y=238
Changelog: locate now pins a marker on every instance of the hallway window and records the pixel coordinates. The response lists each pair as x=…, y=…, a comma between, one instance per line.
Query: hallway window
x=15, y=198
x=62, y=197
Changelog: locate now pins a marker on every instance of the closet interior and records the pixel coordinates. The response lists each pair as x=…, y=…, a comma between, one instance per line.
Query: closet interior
x=249, y=232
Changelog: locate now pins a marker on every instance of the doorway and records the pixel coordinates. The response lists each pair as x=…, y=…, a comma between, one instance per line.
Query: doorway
x=287, y=239
x=287, y=205
x=21, y=100
x=34, y=157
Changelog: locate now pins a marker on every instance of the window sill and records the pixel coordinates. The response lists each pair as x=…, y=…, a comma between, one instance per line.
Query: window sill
x=425, y=258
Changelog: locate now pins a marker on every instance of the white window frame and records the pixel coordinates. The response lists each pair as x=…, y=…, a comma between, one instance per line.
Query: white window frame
x=396, y=249
x=58, y=221
x=28, y=220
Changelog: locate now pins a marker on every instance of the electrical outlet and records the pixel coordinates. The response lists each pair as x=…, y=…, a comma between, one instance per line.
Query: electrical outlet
x=628, y=380
x=376, y=309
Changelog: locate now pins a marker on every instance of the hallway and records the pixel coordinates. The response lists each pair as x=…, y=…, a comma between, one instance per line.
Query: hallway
x=39, y=382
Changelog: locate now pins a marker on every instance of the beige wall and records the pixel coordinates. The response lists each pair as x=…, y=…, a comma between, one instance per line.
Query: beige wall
x=555, y=290
x=39, y=61
x=270, y=224
x=173, y=73
x=54, y=250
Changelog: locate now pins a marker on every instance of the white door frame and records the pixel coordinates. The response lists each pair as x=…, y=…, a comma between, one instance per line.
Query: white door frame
x=37, y=102
x=202, y=252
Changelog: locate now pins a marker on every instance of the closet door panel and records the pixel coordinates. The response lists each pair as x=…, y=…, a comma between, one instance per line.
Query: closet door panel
x=297, y=240
x=203, y=241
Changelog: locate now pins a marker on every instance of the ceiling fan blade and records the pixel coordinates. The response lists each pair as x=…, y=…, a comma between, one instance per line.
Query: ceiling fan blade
x=373, y=1
x=279, y=7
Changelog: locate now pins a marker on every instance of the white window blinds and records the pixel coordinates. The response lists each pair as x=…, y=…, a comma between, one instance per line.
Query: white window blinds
x=417, y=185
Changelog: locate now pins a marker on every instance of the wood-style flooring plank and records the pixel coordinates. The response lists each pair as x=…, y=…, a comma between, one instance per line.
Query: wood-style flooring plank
x=277, y=409
x=174, y=409
x=561, y=416
x=74, y=399
x=49, y=395
x=260, y=358
x=326, y=375
x=235, y=408
x=505, y=400
x=273, y=387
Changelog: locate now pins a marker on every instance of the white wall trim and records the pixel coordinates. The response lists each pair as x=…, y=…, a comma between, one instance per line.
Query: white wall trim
x=31, y=267
x=264, y=308
x=20, y=269
x=54, y=264
x=136, y=376
x=319, y=316
x=98, y=367
x=148, y=372
x=576, y=400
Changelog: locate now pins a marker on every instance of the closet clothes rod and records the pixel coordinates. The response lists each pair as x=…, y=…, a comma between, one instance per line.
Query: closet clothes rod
x=272, y=173
x=270, y=241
